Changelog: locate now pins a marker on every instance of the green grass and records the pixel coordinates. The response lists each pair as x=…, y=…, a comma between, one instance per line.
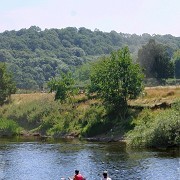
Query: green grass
x=159, y=128
x=9, y=127
x=83, y=117
x=40, y=113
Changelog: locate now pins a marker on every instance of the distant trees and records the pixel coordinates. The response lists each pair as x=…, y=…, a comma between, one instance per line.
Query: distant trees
x=34, y=56
x=156, y=61
x=176, y=59
x=7, y=86
x=117, y=79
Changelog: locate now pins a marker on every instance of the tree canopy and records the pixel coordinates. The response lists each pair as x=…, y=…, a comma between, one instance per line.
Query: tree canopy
x=156, y=60
x=117, y=79
x=176, y=59
x=34, y=56
x=62, y=86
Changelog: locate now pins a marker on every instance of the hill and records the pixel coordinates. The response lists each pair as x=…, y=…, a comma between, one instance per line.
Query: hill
x=33, y=56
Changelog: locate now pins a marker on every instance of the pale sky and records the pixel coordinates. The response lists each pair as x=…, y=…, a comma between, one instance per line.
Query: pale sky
x=126, y=16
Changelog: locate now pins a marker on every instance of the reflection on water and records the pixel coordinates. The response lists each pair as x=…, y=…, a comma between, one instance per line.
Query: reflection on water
x=33, y=160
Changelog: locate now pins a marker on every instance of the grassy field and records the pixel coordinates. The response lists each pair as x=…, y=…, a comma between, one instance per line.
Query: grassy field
x=149, y=97
x=157, y=95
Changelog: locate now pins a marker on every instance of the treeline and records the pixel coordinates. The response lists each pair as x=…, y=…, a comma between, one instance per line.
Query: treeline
x=34, y=56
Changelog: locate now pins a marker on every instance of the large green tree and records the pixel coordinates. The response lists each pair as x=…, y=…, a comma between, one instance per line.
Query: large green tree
x=117, y=79
x=156, y=61
x=7, y=86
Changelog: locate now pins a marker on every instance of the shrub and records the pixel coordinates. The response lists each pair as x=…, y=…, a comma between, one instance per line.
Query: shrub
x=95, y=121
x=9, y=127
x=153, y=129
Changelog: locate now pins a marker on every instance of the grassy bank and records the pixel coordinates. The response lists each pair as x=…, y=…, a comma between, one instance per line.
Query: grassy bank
x=83, y=117
x=9, y=127
x=39, y=112
x=156, y=128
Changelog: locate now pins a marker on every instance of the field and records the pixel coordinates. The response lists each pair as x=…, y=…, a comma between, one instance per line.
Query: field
x=157, y=96
x=150, y=97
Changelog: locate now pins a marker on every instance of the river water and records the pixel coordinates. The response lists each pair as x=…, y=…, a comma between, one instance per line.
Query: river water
x=53, y=160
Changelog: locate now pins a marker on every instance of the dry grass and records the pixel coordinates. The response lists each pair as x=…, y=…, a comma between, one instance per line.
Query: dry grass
x=84, y=102
x=150, y=97
x=156, y=95
x=87, y=104
x=23, y=98
x=160, y=91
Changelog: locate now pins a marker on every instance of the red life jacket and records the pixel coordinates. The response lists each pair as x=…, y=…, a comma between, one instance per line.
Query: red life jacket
x=78, y=177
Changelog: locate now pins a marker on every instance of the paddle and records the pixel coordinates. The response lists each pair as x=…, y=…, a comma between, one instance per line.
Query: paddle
x=65, y=178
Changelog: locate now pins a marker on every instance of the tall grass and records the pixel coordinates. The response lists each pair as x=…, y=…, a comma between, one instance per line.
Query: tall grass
x=81, y=116
x=40, y=113
x=30, y=111
x=162, y=91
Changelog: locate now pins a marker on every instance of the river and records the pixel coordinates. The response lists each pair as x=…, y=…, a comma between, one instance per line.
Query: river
x=52, y=160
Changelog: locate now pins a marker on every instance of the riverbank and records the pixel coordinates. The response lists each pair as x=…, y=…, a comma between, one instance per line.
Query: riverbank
x=40, y=116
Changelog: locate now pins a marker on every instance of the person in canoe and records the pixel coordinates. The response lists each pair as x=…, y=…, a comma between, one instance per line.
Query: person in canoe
x=77, y=176
x=105, y=176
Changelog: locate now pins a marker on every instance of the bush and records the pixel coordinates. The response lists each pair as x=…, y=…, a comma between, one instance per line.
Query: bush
x=153, y=129
x=94, y=121
x=9, y=127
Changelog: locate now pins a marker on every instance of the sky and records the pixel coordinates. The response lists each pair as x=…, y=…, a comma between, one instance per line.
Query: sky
x=126, y=16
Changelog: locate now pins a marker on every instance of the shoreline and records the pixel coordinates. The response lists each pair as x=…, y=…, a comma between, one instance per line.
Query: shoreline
x=102, y=139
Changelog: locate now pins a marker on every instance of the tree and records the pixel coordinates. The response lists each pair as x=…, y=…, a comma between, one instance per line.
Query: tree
x=7, y=86
x=116, y=79
x=155, y=61
x=67, y=48
x=62, y=86
x=176, y=59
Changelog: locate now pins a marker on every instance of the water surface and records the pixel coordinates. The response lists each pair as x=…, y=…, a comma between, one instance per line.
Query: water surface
x=53, y=160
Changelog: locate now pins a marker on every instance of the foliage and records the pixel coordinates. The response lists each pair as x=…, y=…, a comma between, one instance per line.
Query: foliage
x=62, y=86
x=156, y=129
x=7, y=86
x=117, y=79
x=155, y=60
x=176, y=59
x=94, y=121
x=8, y=127
x=34, y=55
x=82, y=73
x=32, y=114
x=40, y=113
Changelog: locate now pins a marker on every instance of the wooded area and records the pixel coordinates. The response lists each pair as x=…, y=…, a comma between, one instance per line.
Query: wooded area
x=34, y=56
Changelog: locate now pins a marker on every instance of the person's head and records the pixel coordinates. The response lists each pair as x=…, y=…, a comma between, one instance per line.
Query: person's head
x=76, y=172
x=105, y=174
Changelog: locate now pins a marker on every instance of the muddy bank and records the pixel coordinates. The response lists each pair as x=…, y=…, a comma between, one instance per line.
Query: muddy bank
x=39, y=136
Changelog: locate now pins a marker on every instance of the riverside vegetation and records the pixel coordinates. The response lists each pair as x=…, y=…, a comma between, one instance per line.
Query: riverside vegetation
x=110, y=82
x=81, y=116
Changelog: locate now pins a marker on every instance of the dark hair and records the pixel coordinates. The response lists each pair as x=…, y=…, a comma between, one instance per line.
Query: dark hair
x=105, y=174
x=76, y=171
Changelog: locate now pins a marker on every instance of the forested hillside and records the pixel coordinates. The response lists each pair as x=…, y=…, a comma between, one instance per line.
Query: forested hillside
x=33, y=56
